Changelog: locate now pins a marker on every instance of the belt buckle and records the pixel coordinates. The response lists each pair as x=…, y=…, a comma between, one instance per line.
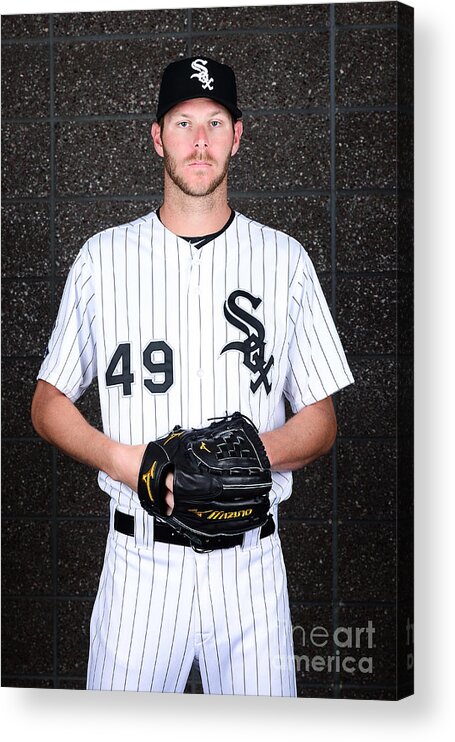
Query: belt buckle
x=220, y=542
x=203, y=547
x=200, y=549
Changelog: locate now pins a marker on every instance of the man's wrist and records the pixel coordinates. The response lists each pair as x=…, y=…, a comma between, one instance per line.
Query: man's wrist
x=267, y=441
x=126, y=463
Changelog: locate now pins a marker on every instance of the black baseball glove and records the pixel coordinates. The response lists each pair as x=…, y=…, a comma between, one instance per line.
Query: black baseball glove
x=222, y=479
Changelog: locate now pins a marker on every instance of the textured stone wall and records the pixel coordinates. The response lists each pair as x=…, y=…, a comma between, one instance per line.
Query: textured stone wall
x=326, y=156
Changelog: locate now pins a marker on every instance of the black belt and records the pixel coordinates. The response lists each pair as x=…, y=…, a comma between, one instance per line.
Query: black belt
x=124, y=523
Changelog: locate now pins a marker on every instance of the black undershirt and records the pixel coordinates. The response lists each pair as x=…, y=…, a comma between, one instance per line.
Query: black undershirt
x=201, y=241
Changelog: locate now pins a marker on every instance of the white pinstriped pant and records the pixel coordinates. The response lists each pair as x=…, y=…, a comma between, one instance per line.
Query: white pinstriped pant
x=160, y=607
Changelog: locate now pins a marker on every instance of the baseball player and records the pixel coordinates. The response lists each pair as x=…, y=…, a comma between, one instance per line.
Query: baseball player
x=184, y=315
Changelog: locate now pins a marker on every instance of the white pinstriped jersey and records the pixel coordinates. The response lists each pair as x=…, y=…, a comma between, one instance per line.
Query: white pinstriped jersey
x=178, y=334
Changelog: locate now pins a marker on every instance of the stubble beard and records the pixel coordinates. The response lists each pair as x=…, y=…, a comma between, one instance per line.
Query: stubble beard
x=203, y=189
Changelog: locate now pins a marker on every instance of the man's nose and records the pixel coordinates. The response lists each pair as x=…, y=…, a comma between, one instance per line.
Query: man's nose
x=200, y=138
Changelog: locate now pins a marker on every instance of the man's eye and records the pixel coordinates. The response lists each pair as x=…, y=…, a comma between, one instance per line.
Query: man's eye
x=215, y=123
x=183, y=124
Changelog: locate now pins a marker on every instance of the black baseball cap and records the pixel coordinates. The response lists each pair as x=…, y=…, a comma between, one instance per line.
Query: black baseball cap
x=198, y=77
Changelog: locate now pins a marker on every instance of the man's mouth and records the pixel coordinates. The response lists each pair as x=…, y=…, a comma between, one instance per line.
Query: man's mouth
x=199, y=163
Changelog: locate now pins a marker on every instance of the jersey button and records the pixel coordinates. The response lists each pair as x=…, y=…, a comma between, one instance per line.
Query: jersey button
x=200, y=372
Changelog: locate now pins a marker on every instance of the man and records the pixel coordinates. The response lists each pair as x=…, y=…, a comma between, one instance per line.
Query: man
x=183, y=315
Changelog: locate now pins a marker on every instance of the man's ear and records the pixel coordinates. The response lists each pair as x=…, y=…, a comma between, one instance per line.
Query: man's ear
x=238, y=131
x=156, y=138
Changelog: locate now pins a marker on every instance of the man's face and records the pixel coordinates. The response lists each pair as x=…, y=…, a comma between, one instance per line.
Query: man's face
x=197, y=142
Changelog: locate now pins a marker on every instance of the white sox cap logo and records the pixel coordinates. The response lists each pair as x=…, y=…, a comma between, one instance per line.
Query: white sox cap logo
x=202, y=73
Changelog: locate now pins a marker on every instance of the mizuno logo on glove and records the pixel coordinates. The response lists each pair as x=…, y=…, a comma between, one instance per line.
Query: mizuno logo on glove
x=147, y=477
x=221, y=514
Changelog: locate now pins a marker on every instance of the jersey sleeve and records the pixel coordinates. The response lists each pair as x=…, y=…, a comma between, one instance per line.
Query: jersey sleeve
x=70, y=360
x=317, y=365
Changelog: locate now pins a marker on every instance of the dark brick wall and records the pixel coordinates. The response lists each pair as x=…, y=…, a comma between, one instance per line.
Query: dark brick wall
x=327, y=156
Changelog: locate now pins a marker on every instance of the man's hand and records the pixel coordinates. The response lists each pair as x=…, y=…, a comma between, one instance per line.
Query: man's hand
x=126, y=466
x=169, y=494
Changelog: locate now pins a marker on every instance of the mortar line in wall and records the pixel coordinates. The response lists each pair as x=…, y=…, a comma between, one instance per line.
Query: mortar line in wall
x=332, y=118
x=137, y=116
x=369, y=273
x=313, y=685
x=243, y=195
x=160, y=35
x=81, y=597
x=52, y=306
x=192, y=678
x=266, y=31
x=398, y=526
